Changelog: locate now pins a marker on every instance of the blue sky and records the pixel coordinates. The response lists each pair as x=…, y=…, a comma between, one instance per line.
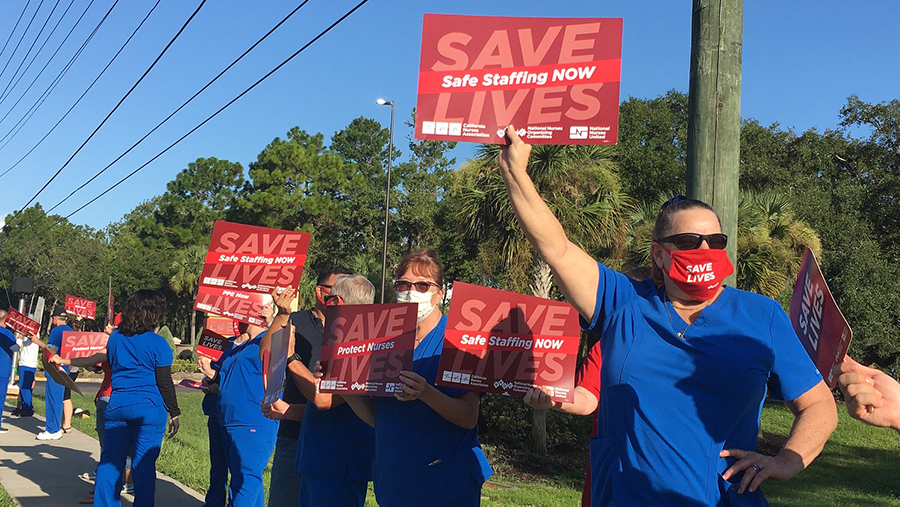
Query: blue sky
x=801, y=59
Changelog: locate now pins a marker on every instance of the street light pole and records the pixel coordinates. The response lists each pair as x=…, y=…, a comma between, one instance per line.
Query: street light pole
x=387, y=194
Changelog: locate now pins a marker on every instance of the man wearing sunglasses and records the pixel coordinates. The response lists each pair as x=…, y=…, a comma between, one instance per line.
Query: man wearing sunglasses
x=308, y=324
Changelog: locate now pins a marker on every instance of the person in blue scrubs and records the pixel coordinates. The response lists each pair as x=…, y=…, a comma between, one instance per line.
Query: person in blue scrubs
x=8, y=348
x=426, y=439
x=54, y=392
x=249, y=435
x=687, y=362
x=336, y=447
x=141, y=403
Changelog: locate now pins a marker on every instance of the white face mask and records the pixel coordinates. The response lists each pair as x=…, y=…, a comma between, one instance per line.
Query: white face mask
x=422, y=298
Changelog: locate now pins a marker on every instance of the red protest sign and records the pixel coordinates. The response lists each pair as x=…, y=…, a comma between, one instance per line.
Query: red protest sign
x=212, y=345
x=274, y=364
x=503, y=342
x=555, y=79
x=365, y=347
x=82, y=344
x=221, y=325
x=81, y=307
x=20, y=323
x=254, y=259
x=817, y=320
x=57, y=373
x=235, y=304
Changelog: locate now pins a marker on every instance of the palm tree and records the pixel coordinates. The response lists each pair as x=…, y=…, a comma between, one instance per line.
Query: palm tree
x=186, y=268
x=581, y=187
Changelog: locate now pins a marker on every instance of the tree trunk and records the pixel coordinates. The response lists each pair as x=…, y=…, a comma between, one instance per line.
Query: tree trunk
x=541, y=280
x=193, y=327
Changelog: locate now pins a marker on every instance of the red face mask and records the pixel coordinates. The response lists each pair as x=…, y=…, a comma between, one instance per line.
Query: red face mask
x=699, y=272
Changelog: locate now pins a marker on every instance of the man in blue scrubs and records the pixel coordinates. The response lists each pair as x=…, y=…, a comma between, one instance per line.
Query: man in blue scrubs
x=54, y=392
x=8, y=347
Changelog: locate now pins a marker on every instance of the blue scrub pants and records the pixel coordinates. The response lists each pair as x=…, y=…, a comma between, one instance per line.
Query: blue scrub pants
x=248, y=449
x=4, y=385
x=53, y=401
x=218, y=465
x=26, y=384
x=332, y=492
x=142, y=426
x=284, y=482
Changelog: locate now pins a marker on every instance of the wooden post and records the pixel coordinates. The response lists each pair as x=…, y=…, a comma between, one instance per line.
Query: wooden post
x=714, y=108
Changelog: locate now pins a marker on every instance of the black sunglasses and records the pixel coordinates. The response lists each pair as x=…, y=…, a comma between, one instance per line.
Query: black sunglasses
x=333, y=299
x=405, y=285
x=690, y=241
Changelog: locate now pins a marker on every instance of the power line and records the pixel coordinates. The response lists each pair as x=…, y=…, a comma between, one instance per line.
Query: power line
x=232, y=101
x=135, y=85
x=15, y=27
x=21, y=38
x=71, y=3
x=188, y=101
x=40, y=32
x=52, y=86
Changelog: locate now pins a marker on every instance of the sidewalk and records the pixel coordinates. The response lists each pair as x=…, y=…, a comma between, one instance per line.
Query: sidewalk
x=45, y=473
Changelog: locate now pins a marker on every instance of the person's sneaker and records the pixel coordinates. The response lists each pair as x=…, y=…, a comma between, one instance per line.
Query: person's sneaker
x=4, y=430
x=15, y=412
x=128, y=488
x=26, y=413
x=88, y=477
x=45, y=435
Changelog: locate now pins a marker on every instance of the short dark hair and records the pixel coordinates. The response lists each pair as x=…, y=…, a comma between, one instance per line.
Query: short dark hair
x=143, y=312
x=333, y=269
x=663, y=225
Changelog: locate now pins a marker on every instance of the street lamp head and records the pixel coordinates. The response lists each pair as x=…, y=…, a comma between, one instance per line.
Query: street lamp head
x=382, y=102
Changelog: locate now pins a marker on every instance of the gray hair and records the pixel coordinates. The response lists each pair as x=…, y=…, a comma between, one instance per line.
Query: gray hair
x=354, y=290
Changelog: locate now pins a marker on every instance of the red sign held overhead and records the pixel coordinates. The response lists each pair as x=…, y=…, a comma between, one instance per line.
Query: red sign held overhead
x=82, y=344
x=554, y=79
x=81, y=307
x=234, y=304
x=503, y=342
x=20, y=323
x=365, y=347
x=817, y=320
x=212, y=345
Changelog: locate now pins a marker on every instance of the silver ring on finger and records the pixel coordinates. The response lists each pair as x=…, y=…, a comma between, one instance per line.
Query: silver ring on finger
x=756, y=468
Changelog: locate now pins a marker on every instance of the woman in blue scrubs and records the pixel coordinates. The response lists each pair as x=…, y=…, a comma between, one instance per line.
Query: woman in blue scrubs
x=687, y=362
x=249, y=437
x=141, y=403
x=426, y=440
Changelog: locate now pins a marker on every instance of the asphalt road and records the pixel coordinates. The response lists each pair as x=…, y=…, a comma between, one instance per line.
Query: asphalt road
x=90, y=388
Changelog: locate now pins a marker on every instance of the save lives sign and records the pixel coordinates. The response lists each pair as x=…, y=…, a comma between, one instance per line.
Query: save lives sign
x=211, y=344
x=555, y=79
x=81, y=307
x=503, y=342
x=246, y=262
x=82, y=344
x=365, y=347
x=817, y=320
x=20, y=323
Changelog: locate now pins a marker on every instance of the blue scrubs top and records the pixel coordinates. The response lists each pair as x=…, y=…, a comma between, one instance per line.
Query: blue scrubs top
x=210, y=403
x=241, y=387
x=133, y=361
x=669, y=405
x=419, y=455
x=7, y=340
x=54, y=341
x=335, y=444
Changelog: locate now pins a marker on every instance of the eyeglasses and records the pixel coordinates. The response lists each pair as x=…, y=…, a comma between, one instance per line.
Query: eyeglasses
x=690, y=241
x=333, y=300
x=405, y=285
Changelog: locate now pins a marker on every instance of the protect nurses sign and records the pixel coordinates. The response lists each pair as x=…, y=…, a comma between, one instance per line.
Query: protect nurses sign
x=502, y=342
x=555, y=79
x=817, y=320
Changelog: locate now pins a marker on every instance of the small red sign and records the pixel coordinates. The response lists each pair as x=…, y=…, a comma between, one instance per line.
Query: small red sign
x=212, y=345
x=365, y=347
x=554, y=79
x=193, y=384
x=20, y=323
x=220, y=325
x=82, y=344
x=508, y=343
x=817, y=320
x=81, y=307
x=234, y=304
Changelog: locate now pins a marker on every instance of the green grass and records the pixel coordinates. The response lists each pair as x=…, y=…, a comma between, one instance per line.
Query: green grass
x=5, y=499
x=860, y=464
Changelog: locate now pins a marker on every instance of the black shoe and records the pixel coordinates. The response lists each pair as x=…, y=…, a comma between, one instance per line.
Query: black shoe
x=26, y=413
x=15, y=413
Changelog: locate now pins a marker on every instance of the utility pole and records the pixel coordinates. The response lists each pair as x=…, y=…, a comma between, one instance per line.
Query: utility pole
x=714, y=109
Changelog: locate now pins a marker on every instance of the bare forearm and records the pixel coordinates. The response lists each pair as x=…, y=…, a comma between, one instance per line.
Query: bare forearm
x=813, y=424
x=462, y=411
x=585, y=403
x=364, y=408
x=295, y=412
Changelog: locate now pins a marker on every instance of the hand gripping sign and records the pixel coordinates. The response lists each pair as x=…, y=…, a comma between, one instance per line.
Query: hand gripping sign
x=817, y=320
x=82, y=344
x=555, y=79
x=365, y=347
x=20, y=323
x=507, y=343
x=81, y=307
x=244, y=263
x=212, y=345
